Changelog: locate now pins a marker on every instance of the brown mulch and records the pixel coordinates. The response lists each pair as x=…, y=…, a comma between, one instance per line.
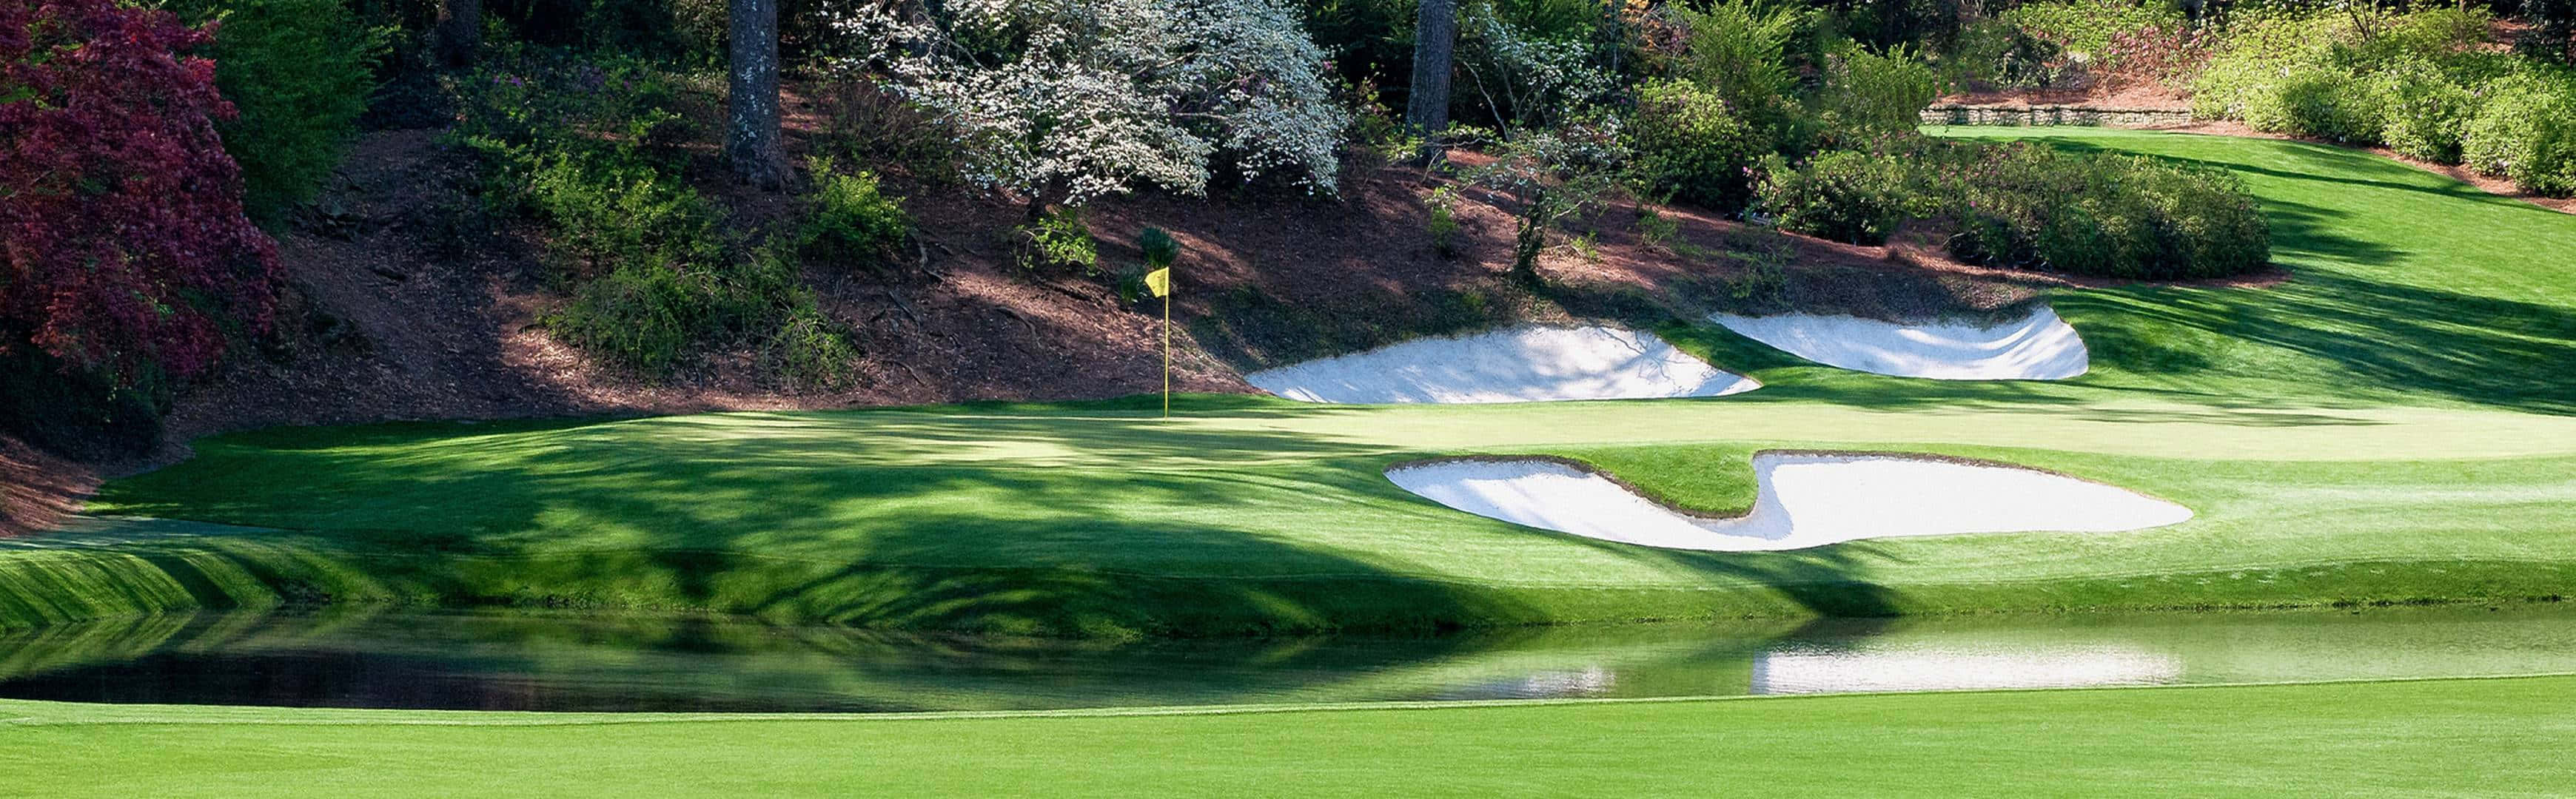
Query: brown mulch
x=38, y=489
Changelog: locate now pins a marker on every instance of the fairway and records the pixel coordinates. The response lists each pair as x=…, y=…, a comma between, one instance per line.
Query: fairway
x=2406, y=739
x=2388, y=426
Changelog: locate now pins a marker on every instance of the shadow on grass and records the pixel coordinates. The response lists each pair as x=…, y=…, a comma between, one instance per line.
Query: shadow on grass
x=2331, y=164
x=989, y=524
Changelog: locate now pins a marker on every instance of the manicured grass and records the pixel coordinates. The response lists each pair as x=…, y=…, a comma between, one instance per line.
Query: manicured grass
x=2497, y=737
x=2391, y=425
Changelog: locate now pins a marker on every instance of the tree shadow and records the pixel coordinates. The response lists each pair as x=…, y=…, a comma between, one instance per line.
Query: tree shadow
x=2411, y=339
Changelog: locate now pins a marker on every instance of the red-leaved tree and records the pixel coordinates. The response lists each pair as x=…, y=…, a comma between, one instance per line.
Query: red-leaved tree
x=124, y=246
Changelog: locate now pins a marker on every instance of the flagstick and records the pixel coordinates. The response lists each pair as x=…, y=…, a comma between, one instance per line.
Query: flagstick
x=1167, y=344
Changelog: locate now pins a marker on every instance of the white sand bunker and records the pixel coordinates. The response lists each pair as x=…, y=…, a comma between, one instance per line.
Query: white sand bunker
x=1532, y=363
x=2038, y=347
x=1803, y=500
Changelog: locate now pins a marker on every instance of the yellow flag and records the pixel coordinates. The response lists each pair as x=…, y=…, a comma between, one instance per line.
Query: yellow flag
x=1159, y=281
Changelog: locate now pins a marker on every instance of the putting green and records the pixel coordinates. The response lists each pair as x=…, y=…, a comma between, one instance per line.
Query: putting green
x=2391, y=425
x=2351, y=739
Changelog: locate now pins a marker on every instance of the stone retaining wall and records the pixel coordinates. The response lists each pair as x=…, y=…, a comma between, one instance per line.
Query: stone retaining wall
x=2022, y=115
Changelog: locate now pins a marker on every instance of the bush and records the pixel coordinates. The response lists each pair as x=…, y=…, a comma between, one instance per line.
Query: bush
x=1869, y=95
x=608, y=215
x=2251, y=59
x=2028, y=207
x=1158, y=247
x=1440, y=221
x=2527, y=132
x=851, y=221
x=2320, y=101
x=1689, y=143
x=126, y=254
x=522, y=108
x=1739, y=48
x=1844, y=195
x=2427, y=112
x=1991, y=53
x=2090, y=26
x=2411, y=83
x=1057, y=239
x=300, y=72
x=648, y=316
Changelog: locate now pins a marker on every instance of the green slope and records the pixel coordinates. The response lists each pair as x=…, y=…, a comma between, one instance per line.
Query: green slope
x=2499, y=737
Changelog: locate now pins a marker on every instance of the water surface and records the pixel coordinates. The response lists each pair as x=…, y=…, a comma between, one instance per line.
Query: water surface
x=362, y=657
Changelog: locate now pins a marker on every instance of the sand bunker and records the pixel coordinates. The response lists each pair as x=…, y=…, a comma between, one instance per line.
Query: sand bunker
x=1532, y=363
x=1803, y=500
x=2038, y=347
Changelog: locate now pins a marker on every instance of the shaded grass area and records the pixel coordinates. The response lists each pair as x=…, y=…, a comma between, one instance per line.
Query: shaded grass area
x=2405, y=285
x=2492, y=737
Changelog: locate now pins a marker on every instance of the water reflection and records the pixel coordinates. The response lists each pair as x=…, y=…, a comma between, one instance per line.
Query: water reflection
x=546, y=661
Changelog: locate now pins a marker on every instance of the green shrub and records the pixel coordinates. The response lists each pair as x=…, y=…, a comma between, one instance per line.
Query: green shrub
x=1688, y=143
x=525, y=106
x=2250, y=60
x=1869, y=95
x=1992, y=53
x=1441, y=221
x=1158, y=247
x=1058, y=239
x=609, y=215
x=649, y=316
x=2026, y=206
x=2412, y=82
x=2527, y=132
x=1739, y=49
x=2322, y=101
x=2427, y=112
x=2088, y=26
x=2432, y=34
x=1656, y=229
x=299, y=72
x=852, y=222
x=1845, y=195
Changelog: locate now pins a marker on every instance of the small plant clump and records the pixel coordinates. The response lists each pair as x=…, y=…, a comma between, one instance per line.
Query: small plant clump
x=1059, y=239
x=1441, y=221
x=852, y=221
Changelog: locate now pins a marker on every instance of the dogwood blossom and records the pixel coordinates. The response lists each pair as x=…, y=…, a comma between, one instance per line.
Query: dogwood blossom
x=1082, y=99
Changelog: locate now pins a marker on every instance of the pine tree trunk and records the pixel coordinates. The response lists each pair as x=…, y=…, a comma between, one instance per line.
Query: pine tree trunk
x=751, y=97
x=1435, y=39
x=459, y=33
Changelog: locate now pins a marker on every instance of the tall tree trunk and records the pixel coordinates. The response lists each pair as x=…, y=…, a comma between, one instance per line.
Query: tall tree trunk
x=1435, y=39
x=459, y=33
x=751, y=96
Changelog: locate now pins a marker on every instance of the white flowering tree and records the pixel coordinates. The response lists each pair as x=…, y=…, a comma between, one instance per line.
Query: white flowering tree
x=1065, y=101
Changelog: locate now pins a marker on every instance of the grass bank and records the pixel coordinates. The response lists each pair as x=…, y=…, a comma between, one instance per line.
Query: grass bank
x=2347, y=739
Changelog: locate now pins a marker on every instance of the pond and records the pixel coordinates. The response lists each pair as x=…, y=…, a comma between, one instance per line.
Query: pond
x=373, y=657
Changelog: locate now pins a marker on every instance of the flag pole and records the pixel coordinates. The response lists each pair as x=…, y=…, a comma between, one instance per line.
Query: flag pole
x=1160, y=253
x=1167, y=348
